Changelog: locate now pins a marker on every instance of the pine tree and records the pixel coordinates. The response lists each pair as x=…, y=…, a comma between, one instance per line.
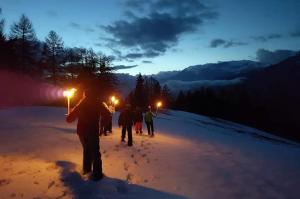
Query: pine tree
x=24, y=40
x=139, y=92
x=166, y=96
x=54, y=52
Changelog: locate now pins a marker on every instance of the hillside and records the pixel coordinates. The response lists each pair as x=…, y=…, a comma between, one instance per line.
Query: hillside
x=191, y=156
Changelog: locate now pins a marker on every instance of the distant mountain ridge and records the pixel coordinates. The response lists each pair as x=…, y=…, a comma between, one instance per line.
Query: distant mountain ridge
x=209, y=75
x=217, y=71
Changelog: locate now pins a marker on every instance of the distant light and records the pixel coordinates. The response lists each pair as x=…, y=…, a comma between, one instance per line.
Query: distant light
x=159, y=104
x=113, y=98
x=116, y=102
x=69, y=93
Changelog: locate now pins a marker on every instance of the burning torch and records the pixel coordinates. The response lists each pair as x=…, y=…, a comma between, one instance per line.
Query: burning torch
x=69, y=94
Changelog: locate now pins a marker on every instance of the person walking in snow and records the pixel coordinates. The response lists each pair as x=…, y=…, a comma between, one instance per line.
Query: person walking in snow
x=88, y=111
x=126, y=121
x=111, y=109
x=149, y=121
x=105, y=119
x=138, y=120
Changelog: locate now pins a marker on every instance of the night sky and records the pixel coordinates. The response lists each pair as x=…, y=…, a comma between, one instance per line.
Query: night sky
x=149, y=36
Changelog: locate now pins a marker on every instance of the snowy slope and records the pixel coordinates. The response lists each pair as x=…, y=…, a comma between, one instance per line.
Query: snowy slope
x=191, y=156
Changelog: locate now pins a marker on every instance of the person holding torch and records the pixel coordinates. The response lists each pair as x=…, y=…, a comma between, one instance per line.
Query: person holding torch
x=87, y=111
x=149, y=121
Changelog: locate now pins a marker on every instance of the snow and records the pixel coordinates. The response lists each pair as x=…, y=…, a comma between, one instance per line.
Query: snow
x=191, y=156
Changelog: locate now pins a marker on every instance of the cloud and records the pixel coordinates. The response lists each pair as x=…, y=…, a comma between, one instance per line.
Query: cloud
x=80, y=27
x=120, y=67
x=273, y=57
x=161, y=26
x=215, y=43
x=147, y=62
x=295, y=34
x=266, y=38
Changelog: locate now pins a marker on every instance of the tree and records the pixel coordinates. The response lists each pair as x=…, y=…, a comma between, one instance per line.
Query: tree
x=2, y=22
x=139, y=92
x=54, y=52
x=24, y=41
x=180, y=101
x=7, y=57
x=166, y=96
x=152, y=90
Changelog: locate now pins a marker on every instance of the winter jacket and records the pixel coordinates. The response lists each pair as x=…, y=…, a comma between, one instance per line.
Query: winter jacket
x=149, y=116
x=88, y=112
x=126, y=118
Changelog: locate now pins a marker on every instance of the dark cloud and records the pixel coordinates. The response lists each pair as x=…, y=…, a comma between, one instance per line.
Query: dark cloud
x=234, y=43
x=80, y=27
x=161, y=25
x=295, y=34
x=217, y=43
x=225, y=43
x=148, y=54
x=147, y=62
x=272, y=57
x=266, y=38
x=119, y=67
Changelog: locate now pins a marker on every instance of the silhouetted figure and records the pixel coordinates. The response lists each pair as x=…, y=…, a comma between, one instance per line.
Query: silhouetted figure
x=111, y=109
x=88, y=112
x=126, y=121
x=138, y=119
x=149, y=121
x=105, y=120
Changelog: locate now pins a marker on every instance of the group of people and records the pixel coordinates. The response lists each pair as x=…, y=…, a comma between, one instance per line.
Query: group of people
x=129, y=117
x=88, y=111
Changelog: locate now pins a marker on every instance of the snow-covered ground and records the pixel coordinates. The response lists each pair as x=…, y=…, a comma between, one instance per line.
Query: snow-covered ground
x=191, y=156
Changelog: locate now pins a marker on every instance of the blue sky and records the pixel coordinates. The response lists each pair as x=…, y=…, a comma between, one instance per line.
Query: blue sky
x=162, y=35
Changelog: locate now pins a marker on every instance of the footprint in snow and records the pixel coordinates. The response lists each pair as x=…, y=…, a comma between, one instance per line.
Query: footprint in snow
x=51, y=184
x=4, y=182
x=126, y=166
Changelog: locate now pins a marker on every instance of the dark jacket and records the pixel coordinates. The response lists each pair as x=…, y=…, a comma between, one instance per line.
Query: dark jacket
x=105, y=115
x=138, y=115
x=126, y=118
x=88, y=112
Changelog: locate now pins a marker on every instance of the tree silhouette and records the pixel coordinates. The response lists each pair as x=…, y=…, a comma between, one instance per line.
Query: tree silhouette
x=166, y=96
x=24, y=42
x=139, y=92
x=53, y=52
